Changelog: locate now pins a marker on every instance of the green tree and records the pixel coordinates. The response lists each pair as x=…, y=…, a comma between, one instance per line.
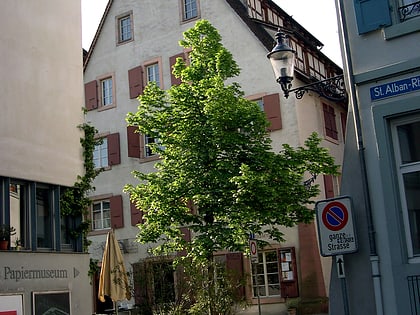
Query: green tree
x=217, y=174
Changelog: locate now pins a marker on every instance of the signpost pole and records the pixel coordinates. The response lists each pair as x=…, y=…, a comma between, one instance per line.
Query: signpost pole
x=254, y=262
x=342, y=275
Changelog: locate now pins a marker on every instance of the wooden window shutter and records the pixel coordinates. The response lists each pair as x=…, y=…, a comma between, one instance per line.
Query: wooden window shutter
x=343, y=117
x=117, y=218
x=288, y=278
x=272, y=111
x=142, y=148
x=136, y=214
x=114, y=157
x=133, y=142
x=91, y=95
x=172, y=61
x=329, y=186
x=135, y=81
x=371, y=15
x=186, y=235
x=235, y=267
x=329, y=120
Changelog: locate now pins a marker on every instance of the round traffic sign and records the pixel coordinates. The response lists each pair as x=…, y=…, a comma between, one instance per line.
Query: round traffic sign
x=335, y=216
x=253, y=247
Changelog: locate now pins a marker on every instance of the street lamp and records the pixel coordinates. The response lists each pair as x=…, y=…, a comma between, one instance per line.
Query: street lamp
x=282, y=59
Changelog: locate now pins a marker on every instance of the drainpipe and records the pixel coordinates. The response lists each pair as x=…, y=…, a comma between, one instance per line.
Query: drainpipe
x=374, y=258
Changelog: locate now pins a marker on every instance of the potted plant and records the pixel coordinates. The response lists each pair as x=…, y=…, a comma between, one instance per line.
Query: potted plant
x=5, y=232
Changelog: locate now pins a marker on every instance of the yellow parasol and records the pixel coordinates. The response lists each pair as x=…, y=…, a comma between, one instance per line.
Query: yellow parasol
x=113, y=280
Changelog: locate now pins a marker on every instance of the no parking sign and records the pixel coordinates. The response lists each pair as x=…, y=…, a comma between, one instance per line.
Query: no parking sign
x=335, y=226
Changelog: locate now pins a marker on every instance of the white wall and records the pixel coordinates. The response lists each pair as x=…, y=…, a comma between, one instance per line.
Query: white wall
x=41, y=90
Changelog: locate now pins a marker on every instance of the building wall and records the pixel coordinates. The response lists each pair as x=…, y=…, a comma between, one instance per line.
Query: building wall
x=41, y=102
x=41, y=91
x=159, y=41
x=367, y=69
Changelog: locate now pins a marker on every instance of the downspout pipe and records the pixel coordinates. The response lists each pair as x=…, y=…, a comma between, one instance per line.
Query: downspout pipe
x=374, y=257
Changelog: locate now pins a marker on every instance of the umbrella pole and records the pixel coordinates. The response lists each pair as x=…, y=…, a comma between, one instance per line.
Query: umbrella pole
x=116, y=307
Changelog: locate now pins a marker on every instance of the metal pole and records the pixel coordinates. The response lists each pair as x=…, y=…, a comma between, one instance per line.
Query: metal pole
x=254, y=267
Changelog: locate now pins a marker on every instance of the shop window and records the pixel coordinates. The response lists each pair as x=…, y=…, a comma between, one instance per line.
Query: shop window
x=19, y=214
x=44, y=218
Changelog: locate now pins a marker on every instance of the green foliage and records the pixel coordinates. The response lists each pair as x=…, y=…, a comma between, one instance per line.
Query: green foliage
x=217, y=174
x=6, y=231
x=74, y=202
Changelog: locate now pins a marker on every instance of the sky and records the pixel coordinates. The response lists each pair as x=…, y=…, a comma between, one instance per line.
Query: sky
x=316, y=16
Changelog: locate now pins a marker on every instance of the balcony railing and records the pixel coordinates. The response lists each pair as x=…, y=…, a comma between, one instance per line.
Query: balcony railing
x=409, y=11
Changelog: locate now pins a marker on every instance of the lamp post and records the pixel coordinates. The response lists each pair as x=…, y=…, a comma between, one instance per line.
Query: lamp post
x=282, y=58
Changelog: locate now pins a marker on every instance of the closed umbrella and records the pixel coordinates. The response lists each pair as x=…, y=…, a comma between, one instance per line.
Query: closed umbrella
x=113, y=280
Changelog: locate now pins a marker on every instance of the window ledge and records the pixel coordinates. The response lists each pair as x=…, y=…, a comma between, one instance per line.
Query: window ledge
x=401, y=29
x=98, y=232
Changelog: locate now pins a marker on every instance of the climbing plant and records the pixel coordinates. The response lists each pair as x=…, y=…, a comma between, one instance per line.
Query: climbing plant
x=74, y=201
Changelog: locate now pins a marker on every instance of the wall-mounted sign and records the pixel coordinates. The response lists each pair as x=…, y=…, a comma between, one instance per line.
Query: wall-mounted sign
x=335, y=226
x=395, y=88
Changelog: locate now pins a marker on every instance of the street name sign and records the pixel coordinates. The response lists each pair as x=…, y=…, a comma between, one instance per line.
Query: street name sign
x=335, y=226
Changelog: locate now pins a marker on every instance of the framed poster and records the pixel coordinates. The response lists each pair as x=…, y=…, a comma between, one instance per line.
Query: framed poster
x=51, y=303
x=11, y=304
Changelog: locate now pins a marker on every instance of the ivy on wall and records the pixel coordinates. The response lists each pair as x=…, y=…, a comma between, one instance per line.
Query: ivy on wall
x=74, y=201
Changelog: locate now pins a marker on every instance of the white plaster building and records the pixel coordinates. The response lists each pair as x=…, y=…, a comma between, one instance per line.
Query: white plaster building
x=40, y=155
x=137, y=41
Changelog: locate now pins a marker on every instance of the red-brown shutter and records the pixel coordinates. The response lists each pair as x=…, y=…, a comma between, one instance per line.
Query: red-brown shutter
x=272, y=111
x=117, y=218
x=235, y=267
x=142, y=144
x=329, y=119
x=329, y=186
x=91, y=95
x=172, y=61
x=114, y=157
x=133, y=142
x=343, y=117
x=136, y=214
x=289, y=287
x=186, y=235
x=135, y=81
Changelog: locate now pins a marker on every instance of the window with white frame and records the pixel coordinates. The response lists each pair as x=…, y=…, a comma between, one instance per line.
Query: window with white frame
x=265, y=276
x=100, y=154
x=125, y=28
x=190, y=9
x=406, y=133
x=152, y=72
x=149, y=141
x=101, y=215
x=107, y=92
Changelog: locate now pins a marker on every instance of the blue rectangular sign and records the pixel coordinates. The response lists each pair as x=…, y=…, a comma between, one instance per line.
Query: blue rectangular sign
x=395, y=88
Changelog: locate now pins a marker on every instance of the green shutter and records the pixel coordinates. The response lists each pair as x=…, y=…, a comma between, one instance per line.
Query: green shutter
x=371, y=15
